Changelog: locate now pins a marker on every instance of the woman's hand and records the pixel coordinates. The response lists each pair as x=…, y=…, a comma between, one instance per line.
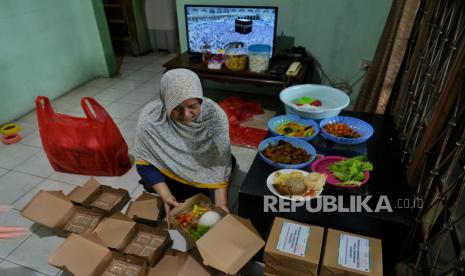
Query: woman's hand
x=8, y=232
x=169, y=200
x=221, y=199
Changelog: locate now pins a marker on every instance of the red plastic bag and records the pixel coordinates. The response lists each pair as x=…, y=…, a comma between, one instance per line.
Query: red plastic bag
x=248, y=137
x=239, y=110
x=92, y=145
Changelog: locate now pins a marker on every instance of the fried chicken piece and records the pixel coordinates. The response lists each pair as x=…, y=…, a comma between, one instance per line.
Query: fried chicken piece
x=282, y=189
x=296, y=185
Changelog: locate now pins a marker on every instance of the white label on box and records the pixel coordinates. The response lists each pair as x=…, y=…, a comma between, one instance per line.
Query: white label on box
x=293, y=238
x=354, y=252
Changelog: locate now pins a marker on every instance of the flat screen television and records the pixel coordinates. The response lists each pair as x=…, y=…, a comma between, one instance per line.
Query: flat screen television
x=216, y=26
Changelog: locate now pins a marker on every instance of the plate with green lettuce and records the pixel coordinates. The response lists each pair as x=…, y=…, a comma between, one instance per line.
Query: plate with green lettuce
x=342, y=171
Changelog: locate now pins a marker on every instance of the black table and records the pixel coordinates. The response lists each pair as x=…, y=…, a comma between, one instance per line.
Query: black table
x=387, y=179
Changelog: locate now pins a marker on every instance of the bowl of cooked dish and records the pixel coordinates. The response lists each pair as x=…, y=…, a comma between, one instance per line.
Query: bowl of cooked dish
x=296, y=184
x=284, y=152
x=346, y=130
x=293, y=126
x=313, y=101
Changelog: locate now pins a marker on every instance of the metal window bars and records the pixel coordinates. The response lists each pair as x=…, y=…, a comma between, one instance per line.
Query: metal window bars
x=429, y=107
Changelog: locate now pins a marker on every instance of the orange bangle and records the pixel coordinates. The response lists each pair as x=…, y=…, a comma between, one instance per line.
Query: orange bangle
x=11, y=139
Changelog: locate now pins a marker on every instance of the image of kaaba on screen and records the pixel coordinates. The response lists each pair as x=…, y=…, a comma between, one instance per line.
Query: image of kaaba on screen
x=214, y=27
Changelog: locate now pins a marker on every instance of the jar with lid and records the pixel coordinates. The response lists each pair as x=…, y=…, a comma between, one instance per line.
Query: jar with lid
x=235, y=56
x=259, y=57
x=206, y=53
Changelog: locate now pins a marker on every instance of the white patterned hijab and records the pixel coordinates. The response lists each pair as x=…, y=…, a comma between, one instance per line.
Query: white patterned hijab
x=198, y=152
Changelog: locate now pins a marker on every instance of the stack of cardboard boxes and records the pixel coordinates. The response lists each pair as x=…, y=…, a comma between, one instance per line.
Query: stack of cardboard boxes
x=102, y=241
x=295, y=248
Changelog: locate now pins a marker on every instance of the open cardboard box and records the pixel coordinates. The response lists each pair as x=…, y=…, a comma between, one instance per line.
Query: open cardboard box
x=53, y=209
x=147, y=208
x=293, y=248
x=87, y=255
x=122, y=233
x=228, y=245
x=175, y=263
x=339, y=260
x=95, y=195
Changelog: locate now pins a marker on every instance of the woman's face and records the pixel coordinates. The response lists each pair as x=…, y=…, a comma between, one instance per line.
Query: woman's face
x=187, y=111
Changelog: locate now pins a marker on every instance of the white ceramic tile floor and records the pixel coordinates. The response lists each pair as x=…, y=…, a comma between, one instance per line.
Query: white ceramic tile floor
x=123, y=73
x=10, y=269
x=14, y=184
x=128, y=130
x=47, y=185
x=78, y=111
x=3, y=171
x=128, y=181
x=156, y=79
x=34, y=251
x=155, y=68
x=135, y=116
x=13, y=217
x=101, y=82
x=32, y=140
x=26, y=129
x=126, y=85
x=134, y=65
x=111, y=95
x=84, y=91
x=137, y=98
x=245, y=155
x=141, y=75
x=29, y=118
x=75, y=179
x=150, y=87
x=24, y=169
x=37, y=165
x=122, y=110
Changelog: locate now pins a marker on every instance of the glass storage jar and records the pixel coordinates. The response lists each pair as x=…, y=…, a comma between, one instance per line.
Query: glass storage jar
x=235, y=56
x=206, y=53
x=259, y=57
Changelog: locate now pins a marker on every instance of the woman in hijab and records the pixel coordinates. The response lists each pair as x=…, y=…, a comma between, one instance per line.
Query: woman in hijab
x=182, y=142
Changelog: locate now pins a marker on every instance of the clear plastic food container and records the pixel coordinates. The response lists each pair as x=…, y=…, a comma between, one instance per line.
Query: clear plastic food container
x=235, y=56
x=259, y=57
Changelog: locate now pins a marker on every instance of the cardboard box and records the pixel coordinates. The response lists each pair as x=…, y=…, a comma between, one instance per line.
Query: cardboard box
x=53, y=209
x=293, y=248
x=86, y=255
x=95, y=195
x=187, y=205
x=122, y=233
x=228, y=245
x=340, y=260
x=176, y=263
x=147, y=208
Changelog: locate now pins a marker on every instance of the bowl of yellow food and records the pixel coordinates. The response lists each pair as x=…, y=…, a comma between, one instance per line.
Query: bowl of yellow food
x=293, y=126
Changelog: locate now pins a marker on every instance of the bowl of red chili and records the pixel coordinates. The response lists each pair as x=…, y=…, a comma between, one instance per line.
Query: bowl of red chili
x=346, y=130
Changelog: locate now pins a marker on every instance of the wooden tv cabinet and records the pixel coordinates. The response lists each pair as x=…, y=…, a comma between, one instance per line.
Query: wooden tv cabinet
x=194, y=63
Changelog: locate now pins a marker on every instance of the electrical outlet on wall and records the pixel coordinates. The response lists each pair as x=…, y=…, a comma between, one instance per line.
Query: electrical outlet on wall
x=365, y=64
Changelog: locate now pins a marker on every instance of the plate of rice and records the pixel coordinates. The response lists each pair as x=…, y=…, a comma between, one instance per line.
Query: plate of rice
x=296, y=184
